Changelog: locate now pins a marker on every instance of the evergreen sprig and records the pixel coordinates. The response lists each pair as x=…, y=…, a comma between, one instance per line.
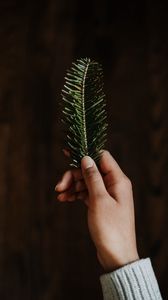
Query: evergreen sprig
x=84, y=110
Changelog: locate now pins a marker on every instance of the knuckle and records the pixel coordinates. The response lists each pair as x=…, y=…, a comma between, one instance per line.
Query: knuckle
x=126, y=182
x=90, y=172
x=95, y=178
x=78, y=186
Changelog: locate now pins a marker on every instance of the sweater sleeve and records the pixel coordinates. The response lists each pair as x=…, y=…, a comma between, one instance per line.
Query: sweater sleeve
x=133, y=281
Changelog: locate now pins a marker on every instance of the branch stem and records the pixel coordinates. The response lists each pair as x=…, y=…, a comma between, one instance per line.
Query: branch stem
x=84, y=110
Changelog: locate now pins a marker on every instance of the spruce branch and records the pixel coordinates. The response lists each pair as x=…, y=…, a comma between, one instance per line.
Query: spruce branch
x=84, y=113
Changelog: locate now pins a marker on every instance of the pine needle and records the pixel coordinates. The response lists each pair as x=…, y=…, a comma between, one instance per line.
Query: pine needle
x=84, y=113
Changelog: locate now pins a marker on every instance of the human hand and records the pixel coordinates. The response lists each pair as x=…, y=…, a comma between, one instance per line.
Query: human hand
x=108, y=195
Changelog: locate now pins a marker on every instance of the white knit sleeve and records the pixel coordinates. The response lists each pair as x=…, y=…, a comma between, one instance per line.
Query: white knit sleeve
x=135, y=281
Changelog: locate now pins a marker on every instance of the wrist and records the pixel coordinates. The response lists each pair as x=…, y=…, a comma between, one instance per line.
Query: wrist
x=110, y=263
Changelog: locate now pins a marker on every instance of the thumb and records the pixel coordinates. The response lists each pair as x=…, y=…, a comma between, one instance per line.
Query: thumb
x=92, y=177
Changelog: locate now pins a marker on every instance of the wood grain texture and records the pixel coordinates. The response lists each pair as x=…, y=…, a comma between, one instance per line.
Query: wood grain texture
x=45, y=249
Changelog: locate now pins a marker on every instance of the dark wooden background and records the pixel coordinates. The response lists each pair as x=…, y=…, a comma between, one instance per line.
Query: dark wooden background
x=45, y=249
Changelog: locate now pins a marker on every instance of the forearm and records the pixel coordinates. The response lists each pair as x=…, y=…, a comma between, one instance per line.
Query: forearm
x=133, y=281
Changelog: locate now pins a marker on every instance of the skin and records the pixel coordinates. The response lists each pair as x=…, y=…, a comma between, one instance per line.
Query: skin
x=107, y=192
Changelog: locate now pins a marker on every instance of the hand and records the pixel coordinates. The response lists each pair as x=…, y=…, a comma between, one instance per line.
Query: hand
x=108, y=194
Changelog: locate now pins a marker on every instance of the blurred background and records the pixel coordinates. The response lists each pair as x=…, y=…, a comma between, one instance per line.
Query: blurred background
x=45, y=249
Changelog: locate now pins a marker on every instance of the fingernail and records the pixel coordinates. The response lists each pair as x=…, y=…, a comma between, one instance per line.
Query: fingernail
x=58, y=184
x=66, y=152
x=60, y=197
x=87, y=162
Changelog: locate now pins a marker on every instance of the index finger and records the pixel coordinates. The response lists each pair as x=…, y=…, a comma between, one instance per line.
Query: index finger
x=108, y=166
x=68, y=178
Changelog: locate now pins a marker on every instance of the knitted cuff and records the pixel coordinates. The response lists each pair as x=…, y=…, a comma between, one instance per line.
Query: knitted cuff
x=133, y=281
